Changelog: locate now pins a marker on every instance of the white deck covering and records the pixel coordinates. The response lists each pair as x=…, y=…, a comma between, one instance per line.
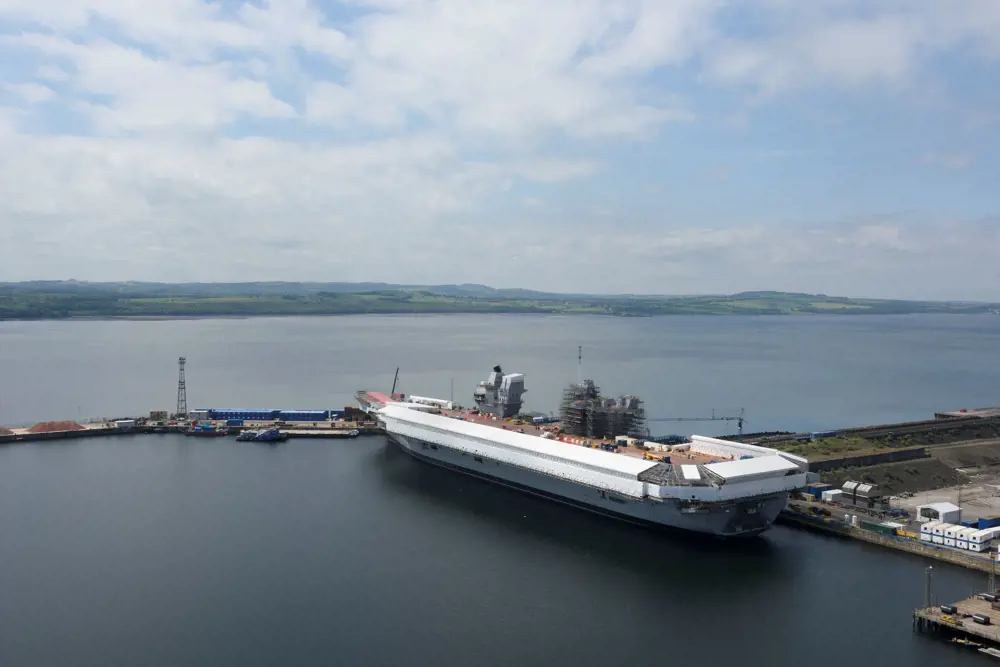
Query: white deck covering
x=763, y=466
x=734, y=450
x=594, y=459
x=690, y=472
x=593, y=467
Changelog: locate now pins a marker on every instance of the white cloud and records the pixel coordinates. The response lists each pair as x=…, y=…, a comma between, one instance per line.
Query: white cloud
x=32, y=93
x=950, y=161
x=150, y=93
x=853, y=44
x=375, y=147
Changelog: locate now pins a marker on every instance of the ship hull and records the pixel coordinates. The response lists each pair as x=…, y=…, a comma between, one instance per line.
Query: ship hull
x=739, y=518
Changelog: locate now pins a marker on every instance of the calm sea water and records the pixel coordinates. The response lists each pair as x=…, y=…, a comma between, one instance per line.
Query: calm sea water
x=160, y=550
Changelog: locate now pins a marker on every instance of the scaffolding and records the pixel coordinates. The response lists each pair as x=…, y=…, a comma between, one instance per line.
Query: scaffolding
x=585, y=413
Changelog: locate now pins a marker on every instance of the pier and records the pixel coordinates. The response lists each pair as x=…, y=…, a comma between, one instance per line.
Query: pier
x=974, y=619
x=112, y=428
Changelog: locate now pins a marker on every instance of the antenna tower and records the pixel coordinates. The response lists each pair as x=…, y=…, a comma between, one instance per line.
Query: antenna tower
x=182, y=400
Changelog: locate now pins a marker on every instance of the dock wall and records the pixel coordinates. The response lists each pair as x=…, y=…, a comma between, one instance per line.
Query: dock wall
x=916, y=547
x=65, y=435
x=892, y=456
x=141, y=430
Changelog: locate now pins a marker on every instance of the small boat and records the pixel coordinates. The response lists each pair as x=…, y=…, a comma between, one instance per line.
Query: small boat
x=262, y=435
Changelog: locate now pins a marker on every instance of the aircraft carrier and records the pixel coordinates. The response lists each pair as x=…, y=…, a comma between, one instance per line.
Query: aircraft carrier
x=706, y=485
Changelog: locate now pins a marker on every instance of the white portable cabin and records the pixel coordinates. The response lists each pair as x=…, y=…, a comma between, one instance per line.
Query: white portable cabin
x=950, y=533
x=979, y=540
x=832, y=495
x=926, y=530
x=938, y=532
x=984, y=538
x=962, y=537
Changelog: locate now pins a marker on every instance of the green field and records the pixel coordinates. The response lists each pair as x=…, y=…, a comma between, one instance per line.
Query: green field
x=71, y=299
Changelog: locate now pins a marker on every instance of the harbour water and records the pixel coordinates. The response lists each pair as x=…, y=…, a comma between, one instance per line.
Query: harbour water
x=164, y=550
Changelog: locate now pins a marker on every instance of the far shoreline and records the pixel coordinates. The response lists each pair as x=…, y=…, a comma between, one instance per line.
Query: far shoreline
x=250, y=316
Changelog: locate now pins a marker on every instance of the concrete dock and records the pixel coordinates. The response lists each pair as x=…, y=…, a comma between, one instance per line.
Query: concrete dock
x=974, y=561
x=960, y=624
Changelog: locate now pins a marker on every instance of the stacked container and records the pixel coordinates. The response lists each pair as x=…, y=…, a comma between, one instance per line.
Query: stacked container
x=950, y=533
x=937, y=532
x=926, y=530
x=978, y=541
x=962, y=537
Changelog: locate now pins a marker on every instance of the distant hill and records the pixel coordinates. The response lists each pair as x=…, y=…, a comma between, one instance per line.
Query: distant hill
x=70, y=298
x=149, y=289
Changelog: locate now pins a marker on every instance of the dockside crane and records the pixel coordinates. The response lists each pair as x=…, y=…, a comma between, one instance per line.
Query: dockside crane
x=738, y=418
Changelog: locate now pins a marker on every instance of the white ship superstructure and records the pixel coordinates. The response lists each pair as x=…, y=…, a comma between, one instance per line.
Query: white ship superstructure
x=707, y=485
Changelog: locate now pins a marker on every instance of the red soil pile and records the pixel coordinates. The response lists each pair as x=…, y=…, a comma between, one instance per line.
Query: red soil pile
x=52, y=427
x=5, y=431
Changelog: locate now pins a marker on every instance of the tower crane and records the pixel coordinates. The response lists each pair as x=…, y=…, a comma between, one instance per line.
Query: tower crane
x=738, y=418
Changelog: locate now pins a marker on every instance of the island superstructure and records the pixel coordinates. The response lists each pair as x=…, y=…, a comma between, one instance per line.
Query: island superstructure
x=706, y=485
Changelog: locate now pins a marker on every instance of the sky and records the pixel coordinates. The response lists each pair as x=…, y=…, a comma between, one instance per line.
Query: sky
x=841, y=147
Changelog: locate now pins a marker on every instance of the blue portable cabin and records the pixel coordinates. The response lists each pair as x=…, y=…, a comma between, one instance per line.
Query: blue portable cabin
x=246, y=415
x=303, y=415
x=544, y=420
x=816, y=489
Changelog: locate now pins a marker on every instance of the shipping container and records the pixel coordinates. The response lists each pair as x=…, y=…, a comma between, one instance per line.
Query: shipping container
x=962, y=537
x=988, y=522
x=980, y=619
x=878, y=528
x=941, y=527
x=949, y=609
x=817, y=488
x=234, y=422
x=928, y=527
x=832, y=495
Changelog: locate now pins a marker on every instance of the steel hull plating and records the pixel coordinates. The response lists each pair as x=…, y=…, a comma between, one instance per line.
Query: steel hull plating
x=728, y=519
